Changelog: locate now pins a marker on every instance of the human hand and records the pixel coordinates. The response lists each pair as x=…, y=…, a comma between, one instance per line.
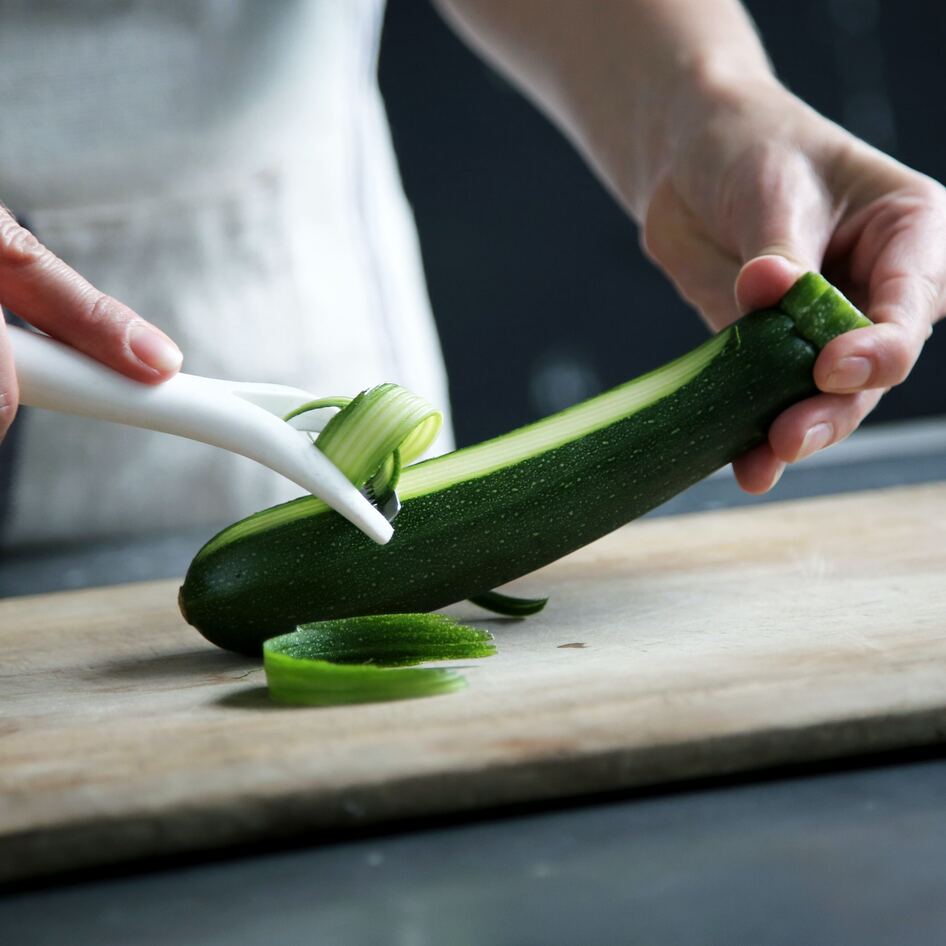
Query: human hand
x=44, y=291
x=761, y=188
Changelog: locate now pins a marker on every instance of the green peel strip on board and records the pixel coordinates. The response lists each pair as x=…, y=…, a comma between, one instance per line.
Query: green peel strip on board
x=355, y=660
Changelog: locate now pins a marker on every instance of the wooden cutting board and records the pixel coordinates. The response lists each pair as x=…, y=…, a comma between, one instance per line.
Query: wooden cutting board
x=674, y=648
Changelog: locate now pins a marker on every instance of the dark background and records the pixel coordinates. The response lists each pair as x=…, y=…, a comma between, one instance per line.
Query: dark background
x=541, y=293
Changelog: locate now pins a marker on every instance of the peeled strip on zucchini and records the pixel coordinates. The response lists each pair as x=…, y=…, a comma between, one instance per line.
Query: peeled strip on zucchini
x=346, y=661
x=370, y=439
x=480, y=517
x=375, y=433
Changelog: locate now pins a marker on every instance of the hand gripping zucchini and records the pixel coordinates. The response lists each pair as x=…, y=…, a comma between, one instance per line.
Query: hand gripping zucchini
x=490, y=513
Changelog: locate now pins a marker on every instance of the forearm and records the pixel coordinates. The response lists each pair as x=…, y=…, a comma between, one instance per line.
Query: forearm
x=624, y=79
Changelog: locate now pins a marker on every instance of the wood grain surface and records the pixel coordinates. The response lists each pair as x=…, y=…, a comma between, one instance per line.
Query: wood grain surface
x=672, y=649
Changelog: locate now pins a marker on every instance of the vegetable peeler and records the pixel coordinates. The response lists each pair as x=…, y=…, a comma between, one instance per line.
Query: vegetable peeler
x=241, y=417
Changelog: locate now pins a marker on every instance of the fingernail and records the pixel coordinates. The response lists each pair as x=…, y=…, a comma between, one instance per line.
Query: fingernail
x=154, y=348
x=778, y=475
x=817, y=438
x=850, y=374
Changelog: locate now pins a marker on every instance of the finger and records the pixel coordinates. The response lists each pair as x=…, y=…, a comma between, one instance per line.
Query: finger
x=898, y=256
x=8, y=388
x=702, y=273
x=800, y=431
x=876, y=357
x=783, y=228
x=758, y=470
x=903, y=307
x=44, y=291
x=900, y=260
x=818, y=422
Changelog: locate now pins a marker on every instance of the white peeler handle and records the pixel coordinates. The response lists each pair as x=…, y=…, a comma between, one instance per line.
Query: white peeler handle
x=54, y=376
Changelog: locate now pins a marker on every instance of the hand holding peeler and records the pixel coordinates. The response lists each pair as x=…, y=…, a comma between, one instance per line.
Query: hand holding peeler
x=244, y=418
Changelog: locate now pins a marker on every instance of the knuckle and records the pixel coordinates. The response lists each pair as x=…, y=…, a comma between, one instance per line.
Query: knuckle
x=655, y=236
x=900, y=356
x=101, y=310
x=862, y=404
x=929, y=289
x=931, y=195
x=18, y=246
x=902, y=366
x=652, y=241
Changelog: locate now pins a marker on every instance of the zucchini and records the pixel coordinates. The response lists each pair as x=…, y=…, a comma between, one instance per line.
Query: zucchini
x=490, y=513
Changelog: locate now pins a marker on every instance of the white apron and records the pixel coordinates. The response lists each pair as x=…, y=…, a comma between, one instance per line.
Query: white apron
x=224, y=167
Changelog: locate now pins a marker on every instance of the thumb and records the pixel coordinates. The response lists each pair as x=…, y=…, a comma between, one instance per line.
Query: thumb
x=764, y=279
x=784, y=224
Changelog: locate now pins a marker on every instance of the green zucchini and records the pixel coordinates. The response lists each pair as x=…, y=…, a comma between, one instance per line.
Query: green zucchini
x=490, y=513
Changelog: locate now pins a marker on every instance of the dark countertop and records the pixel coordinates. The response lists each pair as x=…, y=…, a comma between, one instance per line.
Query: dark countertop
x=850, y=854
x=832, y=859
